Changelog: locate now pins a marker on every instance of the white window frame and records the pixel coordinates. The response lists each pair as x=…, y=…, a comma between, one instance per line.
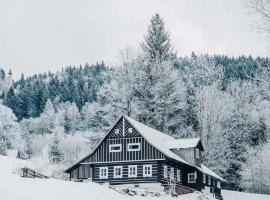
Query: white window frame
x=130, y=144
x=189, y=178
x=144, y=171
x=204, y=178
x=115, y=170
x=129, y=171
x=172, y=173
x=130, y=130
x=197, y=152
x=209, y=180
x=101, y=175
x=218, y=185
x=178, y=175
x=165, y=171
x=115, y=145
x=116, y=131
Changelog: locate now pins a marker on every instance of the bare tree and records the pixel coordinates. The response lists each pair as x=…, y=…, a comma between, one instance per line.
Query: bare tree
x=261, y=10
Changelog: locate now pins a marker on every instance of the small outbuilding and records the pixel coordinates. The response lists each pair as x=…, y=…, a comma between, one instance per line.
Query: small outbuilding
x=14, y=153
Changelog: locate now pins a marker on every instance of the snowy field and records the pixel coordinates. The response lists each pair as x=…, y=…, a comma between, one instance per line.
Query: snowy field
x=13, y=187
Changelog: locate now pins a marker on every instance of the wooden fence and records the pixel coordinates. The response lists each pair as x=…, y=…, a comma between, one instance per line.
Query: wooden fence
x=29, y=173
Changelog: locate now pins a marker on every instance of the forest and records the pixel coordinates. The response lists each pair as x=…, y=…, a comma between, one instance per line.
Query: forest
x=56, y=118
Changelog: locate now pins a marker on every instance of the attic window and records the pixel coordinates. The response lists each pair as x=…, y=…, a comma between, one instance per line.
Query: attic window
x=134, y=147
x=115, y=147
x=116, y=131
x=130, y=130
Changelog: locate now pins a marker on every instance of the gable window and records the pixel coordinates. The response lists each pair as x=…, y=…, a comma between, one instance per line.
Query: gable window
x=103, y=172
x=172, y=173
x=117, y=131
x=178, y=175
x=165, y=171
x=147, y=170
x=218, y=184
x=132, y=171
x=209, y=180
x=134, y=147
x=130, y=130
x=115, y=148
x=117, y=172
x=204, y=178
x=197, y=153
x=191, y=177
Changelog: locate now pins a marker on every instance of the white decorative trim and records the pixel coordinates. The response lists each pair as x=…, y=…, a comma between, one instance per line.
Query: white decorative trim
x=87, y=163
x=101, y=175
x=191, y=180
x=130, y=144
x=178, y=175
x=114, y=172
x=115, y=145
x=165, y=171
x=144, y=171
x=129, y=170
x=172, y=173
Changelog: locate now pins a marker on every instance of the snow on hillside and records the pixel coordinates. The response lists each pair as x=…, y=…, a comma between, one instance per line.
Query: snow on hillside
x=13, y=187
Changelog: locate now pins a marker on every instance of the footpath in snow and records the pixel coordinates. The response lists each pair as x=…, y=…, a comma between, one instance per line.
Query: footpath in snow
x=13, y=187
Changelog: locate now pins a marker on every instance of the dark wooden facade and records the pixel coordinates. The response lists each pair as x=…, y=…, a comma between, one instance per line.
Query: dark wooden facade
x=124, y=134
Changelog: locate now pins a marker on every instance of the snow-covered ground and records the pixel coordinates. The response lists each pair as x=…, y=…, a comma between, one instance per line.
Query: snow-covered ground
x=13, y=187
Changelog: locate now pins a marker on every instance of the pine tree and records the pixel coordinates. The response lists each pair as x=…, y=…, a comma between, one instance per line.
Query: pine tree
x=55, y=154
x=156, y=45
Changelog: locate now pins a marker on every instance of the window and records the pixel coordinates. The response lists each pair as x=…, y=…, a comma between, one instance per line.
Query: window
x=116, y=131
x=134, y=147
x=165, y=171
x=132, y=171
x=191, y=178
x=117, y=172
x=103, y=172
x=197, y=153
x=204, y=178
x=209, y=180
x=172, y=173
x=147, y=170
x=178, y=175
x=218, y=184
x=130, y=130
x=115, y=148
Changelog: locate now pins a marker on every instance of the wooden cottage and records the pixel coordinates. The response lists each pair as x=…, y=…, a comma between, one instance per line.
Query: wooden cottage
x=133, y=153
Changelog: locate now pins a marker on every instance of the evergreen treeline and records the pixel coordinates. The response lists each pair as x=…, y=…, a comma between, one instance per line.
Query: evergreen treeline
x=27, y=97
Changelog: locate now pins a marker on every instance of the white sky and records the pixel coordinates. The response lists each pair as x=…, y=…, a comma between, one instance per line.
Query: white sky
x=41, y=35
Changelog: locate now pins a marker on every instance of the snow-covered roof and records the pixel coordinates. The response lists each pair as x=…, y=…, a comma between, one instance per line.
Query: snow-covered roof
x=206, y=170
x=164, y=143
x=183, y=143
x=155, y=138
x=12, y=153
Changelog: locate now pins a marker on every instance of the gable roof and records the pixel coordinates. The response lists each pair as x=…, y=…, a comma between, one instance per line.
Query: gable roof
x=155, y=138
x=161, y=141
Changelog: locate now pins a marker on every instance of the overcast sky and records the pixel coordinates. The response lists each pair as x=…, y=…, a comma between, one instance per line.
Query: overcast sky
x=37, y=36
